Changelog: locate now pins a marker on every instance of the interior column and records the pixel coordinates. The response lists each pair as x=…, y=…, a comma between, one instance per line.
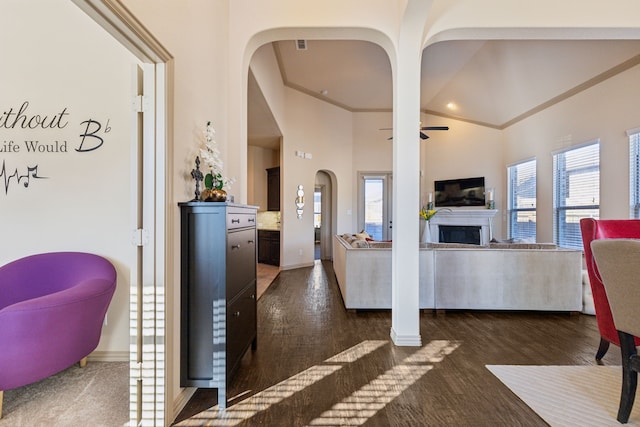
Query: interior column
x=405, y=311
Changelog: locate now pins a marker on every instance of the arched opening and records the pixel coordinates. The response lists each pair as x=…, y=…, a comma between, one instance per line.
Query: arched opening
x=323, y=215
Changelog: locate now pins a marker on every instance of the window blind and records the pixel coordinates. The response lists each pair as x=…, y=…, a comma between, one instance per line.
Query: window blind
x=576, y=192
x=521, y=187
x=634, y=173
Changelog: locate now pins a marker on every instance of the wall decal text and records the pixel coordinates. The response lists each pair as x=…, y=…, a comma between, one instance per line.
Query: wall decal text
x=89, y=136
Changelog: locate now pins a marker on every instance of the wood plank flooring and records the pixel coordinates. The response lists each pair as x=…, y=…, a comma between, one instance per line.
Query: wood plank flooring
x=302, y=325
x=265, y=275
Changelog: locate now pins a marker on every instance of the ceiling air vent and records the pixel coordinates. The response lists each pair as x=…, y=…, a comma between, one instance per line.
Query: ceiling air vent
x=301, y=45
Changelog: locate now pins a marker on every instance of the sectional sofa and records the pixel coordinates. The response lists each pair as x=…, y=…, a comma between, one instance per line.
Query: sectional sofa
x=498, y=276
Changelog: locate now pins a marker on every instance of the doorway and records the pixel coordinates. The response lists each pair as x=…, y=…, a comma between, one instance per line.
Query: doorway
x=323, y=213
x=375, y=204
x=149, y=336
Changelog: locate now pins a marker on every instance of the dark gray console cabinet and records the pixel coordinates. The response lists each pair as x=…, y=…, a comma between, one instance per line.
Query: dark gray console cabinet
x=218, y=292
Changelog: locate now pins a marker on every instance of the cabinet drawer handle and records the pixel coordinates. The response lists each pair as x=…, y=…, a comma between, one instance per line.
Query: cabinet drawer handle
x=250, y=242
x=252, y=220
x=253, y=296
x=236, y=314
x=235, y=220
x=235, y=246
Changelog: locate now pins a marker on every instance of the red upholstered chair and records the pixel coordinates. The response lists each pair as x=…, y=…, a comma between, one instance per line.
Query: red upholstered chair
x=617, y=261
x=593, y=229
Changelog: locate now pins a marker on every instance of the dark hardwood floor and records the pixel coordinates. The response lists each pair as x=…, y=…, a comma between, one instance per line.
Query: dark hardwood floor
x=293, y=379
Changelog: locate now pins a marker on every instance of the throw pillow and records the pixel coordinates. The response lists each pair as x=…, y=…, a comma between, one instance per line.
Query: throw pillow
x=363, y=235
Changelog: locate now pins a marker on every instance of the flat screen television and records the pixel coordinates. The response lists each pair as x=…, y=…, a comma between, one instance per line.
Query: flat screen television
x=459, y=192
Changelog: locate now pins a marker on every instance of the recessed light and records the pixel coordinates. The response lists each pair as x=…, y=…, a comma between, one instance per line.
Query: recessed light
x=451, y=106
x=324, y=92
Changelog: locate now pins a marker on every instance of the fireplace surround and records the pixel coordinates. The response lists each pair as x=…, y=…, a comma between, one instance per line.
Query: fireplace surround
x=481, y=219
x=460, y=234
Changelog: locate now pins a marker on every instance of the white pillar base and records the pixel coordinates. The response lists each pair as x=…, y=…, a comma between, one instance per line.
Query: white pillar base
x=406, y=340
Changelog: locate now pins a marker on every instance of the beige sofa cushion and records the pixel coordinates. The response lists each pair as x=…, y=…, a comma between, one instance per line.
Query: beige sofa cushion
x=359, y=243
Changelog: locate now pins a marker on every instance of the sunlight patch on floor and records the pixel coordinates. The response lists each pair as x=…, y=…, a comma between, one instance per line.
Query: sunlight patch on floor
x=355, y=409
x=361, y=405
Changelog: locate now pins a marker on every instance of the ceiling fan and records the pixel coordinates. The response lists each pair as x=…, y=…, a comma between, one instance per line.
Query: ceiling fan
x=422, y=134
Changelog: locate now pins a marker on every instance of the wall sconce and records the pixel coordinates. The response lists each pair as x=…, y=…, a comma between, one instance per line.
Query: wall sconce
x=300, y=201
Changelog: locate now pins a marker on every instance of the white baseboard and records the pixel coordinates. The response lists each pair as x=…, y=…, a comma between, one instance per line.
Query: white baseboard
x=294, y=266
x=109, y=356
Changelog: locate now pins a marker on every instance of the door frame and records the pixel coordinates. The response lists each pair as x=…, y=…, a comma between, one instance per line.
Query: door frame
x=325, y=183
x=387, y=214
x=154, y=238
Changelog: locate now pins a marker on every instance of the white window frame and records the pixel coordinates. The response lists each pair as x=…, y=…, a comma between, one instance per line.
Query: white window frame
x=634, y=173
x=567, y=234
x=514, y=196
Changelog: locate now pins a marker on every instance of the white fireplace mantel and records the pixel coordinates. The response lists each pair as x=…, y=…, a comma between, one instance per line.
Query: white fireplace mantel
x=465, y=217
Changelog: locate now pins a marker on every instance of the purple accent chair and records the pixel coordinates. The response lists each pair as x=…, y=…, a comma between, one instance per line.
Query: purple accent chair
x=52, y=307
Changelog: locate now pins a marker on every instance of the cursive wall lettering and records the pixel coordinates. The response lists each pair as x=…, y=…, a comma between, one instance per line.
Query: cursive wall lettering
x=10, y=119
x=92, y=129
x=92, y=136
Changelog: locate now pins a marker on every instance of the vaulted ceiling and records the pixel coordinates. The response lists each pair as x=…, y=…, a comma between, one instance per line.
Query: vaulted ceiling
x=491, y=83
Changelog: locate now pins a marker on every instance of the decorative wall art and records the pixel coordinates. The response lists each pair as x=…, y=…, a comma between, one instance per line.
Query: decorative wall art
x=89, y=135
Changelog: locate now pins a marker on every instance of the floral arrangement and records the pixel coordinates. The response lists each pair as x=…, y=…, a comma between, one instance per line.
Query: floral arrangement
x=427, y=214
x=211, y=158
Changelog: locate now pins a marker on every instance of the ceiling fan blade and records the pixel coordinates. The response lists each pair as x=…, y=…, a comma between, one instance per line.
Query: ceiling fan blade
x=422, y=134
x=434, y=128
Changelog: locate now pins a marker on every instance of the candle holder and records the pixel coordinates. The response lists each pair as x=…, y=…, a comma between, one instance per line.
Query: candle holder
x=491, y=204
x=197, y=175
x=430, y=206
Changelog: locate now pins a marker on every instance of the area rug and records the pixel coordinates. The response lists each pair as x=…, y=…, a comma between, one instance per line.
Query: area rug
x=568, y=396
x=96, y=395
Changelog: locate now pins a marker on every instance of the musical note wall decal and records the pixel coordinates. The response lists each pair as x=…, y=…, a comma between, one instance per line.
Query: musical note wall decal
x=32, y=172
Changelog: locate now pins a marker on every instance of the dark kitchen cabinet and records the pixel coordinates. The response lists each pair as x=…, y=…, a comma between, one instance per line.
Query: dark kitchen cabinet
x=269, y=247
x=273, y=189
x=218, y=292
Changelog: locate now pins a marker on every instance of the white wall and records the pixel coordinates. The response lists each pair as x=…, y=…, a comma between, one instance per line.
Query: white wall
x=464, y=151
x=372, y=152
x=604, y=111
x=82, y=202
x=324, y=131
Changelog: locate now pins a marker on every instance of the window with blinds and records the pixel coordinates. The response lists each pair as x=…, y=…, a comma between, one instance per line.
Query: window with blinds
x=634, y=173
x=521, y=203
x=576, y=192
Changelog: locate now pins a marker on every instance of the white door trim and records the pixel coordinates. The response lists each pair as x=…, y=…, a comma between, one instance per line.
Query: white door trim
x=158, y=78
